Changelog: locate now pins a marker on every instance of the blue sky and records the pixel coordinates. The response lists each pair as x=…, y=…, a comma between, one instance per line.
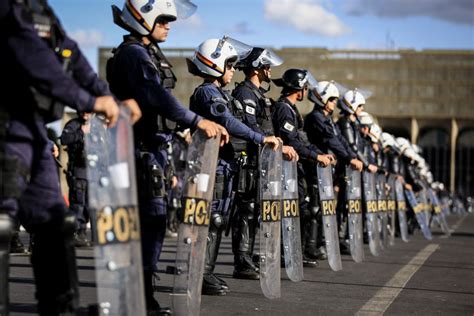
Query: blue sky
x=334, y=24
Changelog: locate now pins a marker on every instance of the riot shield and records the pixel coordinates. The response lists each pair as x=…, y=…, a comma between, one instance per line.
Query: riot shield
x=353, y=200
x=270, y=164
x=438, y=212
x=401, y=210
x=115, y=217
x=371, y=207
x=328, y=206
x=419, y=214
x=391, y=208
x=290, y=223
x=194, y=217
x=425, y=206
x=382, y=207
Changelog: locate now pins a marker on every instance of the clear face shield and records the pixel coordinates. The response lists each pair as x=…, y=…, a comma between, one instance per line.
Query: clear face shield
x=184, y=8
x=241, y=50
x=268, y=58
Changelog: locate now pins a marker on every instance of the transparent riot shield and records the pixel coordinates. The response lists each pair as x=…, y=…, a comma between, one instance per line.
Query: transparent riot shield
x=194, y=217
x=438, y=216
x=382, y=209
x=290, y=223
x=328, y=206
x=391, y=208
x=114, y=217
x=270, y=226
x=401, y=210
x=353, y=200
x=371, y=207
x=419, y=214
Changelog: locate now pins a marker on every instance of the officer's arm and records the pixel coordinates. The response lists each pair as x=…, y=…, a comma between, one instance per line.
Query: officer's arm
x=221, y=114
x=39, y=63
x=145, y=82
x=72, y=133
x=283, y=122
x=347, y=132
x=83, y=72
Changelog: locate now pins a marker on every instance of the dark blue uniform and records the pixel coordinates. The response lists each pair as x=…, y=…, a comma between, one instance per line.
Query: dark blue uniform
x=288, y=124
x=214, y=104
x=41, y=77
x=136, y=71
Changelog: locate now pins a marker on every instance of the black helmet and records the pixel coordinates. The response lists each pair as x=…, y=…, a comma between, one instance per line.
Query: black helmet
x=296, y=79
x=258, y=58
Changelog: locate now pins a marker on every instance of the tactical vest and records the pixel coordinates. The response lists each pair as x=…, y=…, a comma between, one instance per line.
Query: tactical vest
x=237, y=111
x=264, y=117
x=163, y=66
x=48, y=28
x=299, y=123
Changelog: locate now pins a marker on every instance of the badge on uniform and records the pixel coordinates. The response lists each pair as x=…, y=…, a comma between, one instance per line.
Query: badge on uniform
x=289, y=127
x=250, y=110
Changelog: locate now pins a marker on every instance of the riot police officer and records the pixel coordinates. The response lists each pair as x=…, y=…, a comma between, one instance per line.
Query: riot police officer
x=45, y=70
x=288, y=124
x=322, y=132
x=73, y=137
x=256, y=114
x=214, y=61
x=140, y=70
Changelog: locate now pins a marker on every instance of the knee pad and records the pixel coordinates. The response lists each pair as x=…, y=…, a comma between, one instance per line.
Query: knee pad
x=217, y=221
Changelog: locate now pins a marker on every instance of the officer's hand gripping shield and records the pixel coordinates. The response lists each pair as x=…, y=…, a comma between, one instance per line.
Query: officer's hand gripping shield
x=328, y=206
x=419, y=213
x=199, y=178
x=115, y=217
x=371, y=208
x=354, y=208
x=438, y=213
x=382, y=209
x=401, y=210
x=391, y=208
x=290, y=222
x=270, y=164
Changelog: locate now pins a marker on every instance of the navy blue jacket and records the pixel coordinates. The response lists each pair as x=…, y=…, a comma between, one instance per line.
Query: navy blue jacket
x=27, y=60
x=134, y=75
x=288, y=124
x=211, y=102
x=323, y=133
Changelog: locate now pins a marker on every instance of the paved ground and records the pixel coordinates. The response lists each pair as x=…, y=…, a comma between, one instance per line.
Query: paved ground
x=415, y=278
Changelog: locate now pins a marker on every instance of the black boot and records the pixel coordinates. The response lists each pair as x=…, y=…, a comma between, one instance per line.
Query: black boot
x=153, y=308
x=312, y=249
x=244, y=268
x=16, y=246
x=80, y=239
x=211, y=284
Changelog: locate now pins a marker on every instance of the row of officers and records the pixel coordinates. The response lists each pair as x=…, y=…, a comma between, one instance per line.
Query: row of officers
x=47, y=70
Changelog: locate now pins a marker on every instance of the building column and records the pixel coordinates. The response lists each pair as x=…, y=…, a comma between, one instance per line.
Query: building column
x=454, y=137
x=414, y=131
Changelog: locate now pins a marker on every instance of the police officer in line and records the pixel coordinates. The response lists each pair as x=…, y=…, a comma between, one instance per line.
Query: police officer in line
x=73, y=136
x=322, y=132
x=45, y=70
x=255, y=112
x=288, y=124
x=139, y=70
x=214, y=61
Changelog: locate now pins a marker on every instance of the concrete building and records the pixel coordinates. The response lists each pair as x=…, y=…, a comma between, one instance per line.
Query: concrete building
x=426, y=96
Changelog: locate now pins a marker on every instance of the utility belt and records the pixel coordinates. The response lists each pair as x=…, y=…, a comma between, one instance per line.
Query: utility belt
x=151, y=177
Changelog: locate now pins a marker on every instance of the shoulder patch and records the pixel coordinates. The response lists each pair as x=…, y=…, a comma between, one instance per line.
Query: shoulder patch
x=289, y=127
x=250, y=110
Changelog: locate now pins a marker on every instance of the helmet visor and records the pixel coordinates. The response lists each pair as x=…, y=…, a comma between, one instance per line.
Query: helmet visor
x=242, y=50
x=267, y=58
x=184, y=8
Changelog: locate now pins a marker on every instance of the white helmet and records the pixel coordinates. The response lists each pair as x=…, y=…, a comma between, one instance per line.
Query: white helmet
x=403, y=144
x=388, y=140
x=375, y=133
x=351, y=101
x=366, y=119
x=141, y=15
x=213, y=56
x=323, y=92
x=417, y=148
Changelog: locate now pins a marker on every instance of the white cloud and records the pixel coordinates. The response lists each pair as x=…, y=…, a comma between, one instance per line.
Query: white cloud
x=88, y=38
x=308, y=16
x=457, y=11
